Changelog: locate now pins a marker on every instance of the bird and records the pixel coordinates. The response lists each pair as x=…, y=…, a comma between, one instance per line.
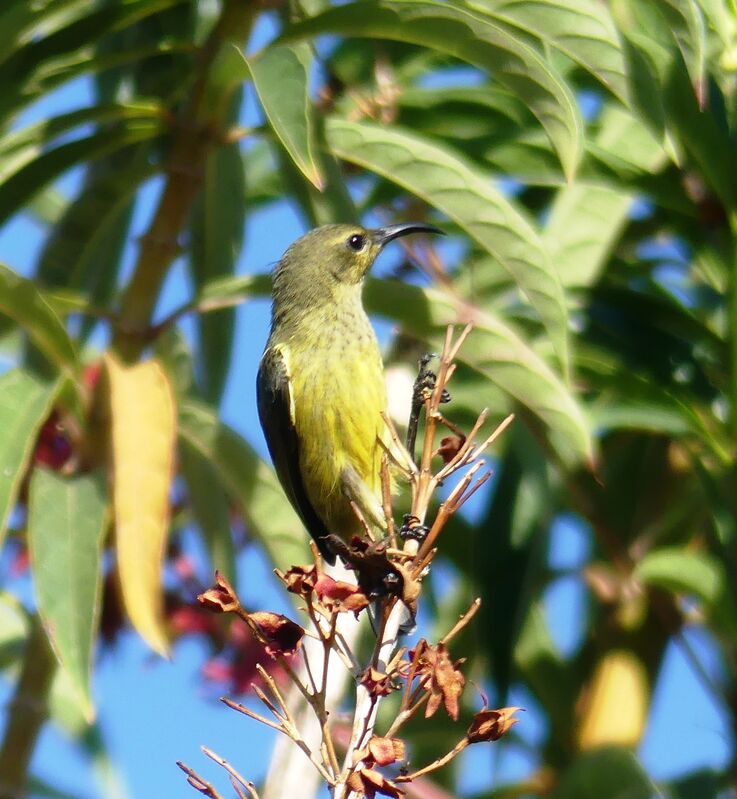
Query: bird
x=320, y=383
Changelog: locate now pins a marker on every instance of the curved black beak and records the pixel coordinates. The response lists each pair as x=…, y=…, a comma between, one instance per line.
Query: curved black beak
x=384, y=235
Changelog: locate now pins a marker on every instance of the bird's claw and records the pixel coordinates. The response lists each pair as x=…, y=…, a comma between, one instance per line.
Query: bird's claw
x=412, y=529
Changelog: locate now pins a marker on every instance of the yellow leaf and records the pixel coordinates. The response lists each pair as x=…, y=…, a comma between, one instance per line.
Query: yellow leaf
x=615, y=707
x=143, y=420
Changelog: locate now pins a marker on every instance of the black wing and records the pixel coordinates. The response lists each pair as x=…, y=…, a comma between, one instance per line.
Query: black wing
x=274, y=411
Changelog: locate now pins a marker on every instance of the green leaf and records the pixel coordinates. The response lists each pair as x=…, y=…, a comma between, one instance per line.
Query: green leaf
x=511, y=544
x=586, y=220
x=281, y=79
x=582, y=30
x=454, y=187
x=84, y=249
x=495, y=350
x=249, y=481
x=224, y=292
x=25, y=403
x=216, y=232
x=21, y=300
x=682, y=571
x=67, y=519
x=686, y=23
x=610, y=772
x=14, y=629
x=20, y=147
x=210, y=508
x=454, y=30
x=20, y=187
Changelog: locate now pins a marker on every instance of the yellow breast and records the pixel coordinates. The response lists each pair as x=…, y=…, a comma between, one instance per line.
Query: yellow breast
x=339, y=394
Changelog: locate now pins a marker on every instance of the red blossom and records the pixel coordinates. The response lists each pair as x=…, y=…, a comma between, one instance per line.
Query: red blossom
x=53, y=448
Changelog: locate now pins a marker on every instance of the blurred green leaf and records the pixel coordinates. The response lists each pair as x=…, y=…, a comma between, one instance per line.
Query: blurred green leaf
x=25, y=403
x=608, y=772
x=13, y=630
x=216, y=230
x=450, y=28
x=66, y=524
x=31, y=178
x=280, y=75
x=448, y=183
x=210, y=508
x=21, y=300
x=20, y=147
x=251, y=484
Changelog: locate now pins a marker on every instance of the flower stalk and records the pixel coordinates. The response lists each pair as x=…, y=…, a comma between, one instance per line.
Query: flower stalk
x=389, y=578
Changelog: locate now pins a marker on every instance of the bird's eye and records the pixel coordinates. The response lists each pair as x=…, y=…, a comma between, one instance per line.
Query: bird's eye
x=357, y=242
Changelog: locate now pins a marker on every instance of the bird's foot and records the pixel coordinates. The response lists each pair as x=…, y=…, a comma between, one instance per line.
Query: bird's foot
x=412, y=529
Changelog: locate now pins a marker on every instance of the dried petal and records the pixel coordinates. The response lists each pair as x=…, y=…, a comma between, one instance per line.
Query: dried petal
x=221, y=598
x=369, y=782
x=445, y=683
x=449, y=447
x=299, y=580
x=376, y=682
x=384, y=751
x=280, y=634
x=490, y=725
x=340, y=596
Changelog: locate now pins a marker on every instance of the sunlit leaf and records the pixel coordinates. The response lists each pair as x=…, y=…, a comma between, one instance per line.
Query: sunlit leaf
x=25, y=403
x=143, y=416
x=450, y=28
x=66, y=524
x=445, y=181
x=582, y=30
x=280, y=76
x=252, y=484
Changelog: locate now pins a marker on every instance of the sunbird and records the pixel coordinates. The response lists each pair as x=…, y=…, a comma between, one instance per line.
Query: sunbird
x=320, y=384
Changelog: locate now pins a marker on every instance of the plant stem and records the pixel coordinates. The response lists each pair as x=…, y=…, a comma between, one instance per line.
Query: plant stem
x=27, y=712
x=192, y=141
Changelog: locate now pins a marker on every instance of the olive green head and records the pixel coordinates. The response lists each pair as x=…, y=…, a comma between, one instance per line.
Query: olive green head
x=331, y=258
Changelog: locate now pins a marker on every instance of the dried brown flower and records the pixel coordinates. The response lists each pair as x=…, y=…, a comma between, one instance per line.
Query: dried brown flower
x=490, y=725
x=280, y=634
x=443, y=680
x=376, y=682
x=221, y=598
x=299, y=580
x=340, y=596
x=449, y=447
x=368, y=782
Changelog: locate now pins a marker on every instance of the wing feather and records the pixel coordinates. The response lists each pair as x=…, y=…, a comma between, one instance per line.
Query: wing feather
x=276, y=412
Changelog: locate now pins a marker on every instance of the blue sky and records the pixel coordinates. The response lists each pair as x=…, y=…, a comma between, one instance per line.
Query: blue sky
x=154, y=712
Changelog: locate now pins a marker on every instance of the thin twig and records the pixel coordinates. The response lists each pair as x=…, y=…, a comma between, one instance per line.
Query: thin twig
x=198, y=783
x=236, y=778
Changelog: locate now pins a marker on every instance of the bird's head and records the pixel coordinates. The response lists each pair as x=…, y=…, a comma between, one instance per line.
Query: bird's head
x=333, y=257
